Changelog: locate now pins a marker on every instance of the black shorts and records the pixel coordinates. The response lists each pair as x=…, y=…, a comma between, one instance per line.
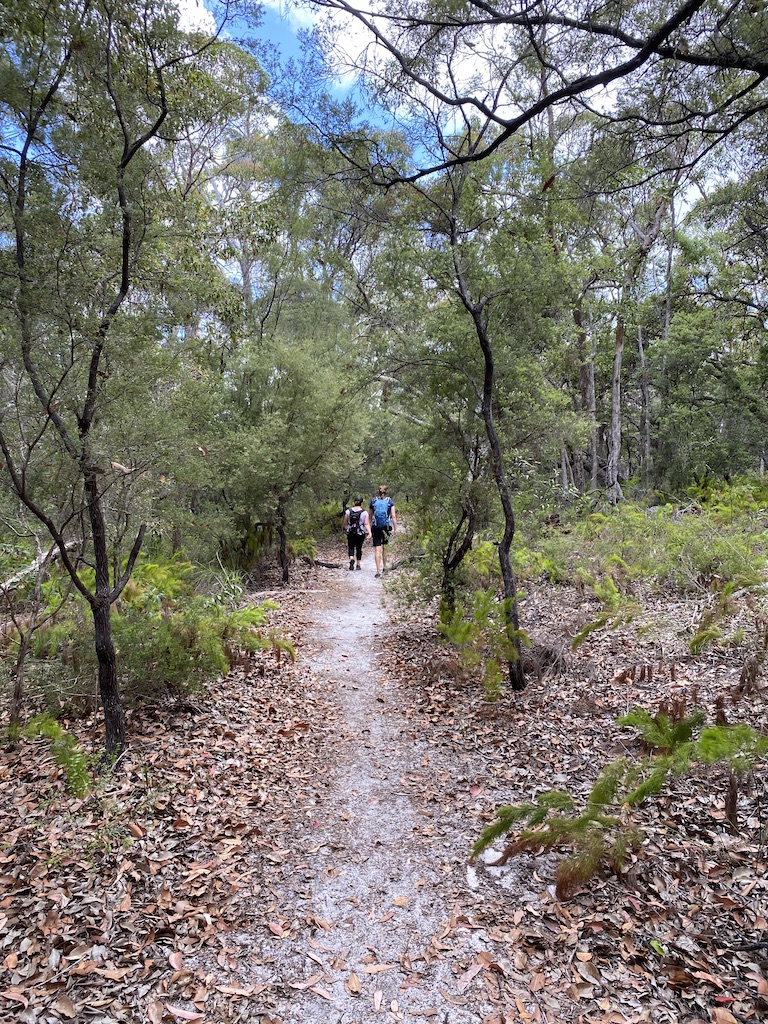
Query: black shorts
x=380, y=535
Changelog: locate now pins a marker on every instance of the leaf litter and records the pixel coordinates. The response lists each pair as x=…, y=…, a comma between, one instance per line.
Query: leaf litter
x=292, y=844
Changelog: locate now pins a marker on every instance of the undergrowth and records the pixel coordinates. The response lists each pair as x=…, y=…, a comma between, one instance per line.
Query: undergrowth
x=65, y=750
x=606, y=829
x=170, y=638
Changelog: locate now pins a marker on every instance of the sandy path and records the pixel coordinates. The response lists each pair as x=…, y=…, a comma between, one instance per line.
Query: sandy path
x=388, y=945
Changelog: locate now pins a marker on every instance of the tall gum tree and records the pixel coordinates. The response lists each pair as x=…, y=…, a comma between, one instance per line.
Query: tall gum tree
x=88, y=90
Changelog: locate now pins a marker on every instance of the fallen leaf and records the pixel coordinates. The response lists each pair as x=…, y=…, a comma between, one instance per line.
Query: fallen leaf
x=306, y=984
x=353, y=985
x=65, y=1006
x=378, y=968
x=322, y=992
x=177, y=1011
x=16, y=996
x=719, y=1015
x=465, y=980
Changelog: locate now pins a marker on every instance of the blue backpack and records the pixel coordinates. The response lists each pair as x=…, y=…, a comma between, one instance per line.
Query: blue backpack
x=381, y=507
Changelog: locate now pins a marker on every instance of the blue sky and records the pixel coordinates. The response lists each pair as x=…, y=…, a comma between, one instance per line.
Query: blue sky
x=278, y=31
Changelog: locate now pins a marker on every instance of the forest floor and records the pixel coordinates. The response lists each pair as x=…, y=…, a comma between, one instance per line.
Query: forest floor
x=293, y=845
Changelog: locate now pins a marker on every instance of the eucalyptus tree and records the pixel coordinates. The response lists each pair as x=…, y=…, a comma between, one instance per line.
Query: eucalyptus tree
x=93, y=93
x=292, y=246
x=693, y=65
x=709, y=367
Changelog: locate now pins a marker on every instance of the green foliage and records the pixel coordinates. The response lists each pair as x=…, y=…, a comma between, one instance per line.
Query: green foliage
x=602, y=833
x=65, y=751
x=482, y=635
x=170, y=639
x=662, y=732
x=618, y=610
x=303, y=547
x=704, y=638
x=684, y=547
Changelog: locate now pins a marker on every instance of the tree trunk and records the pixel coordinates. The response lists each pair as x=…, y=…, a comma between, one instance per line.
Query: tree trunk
x=476, y=309
x=282, y=552
x=454, y=555
x=645, y=409
x=101, y=602
x=109, y=690
x=515, y=665
x=613, y=489
x=588, y=403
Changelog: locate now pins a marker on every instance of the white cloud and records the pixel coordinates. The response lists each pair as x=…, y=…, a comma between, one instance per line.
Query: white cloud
x=194, y=17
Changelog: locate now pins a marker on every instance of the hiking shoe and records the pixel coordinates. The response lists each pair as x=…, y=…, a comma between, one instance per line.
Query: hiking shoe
x=351, y=565
x=377, y=575
x=358, y=566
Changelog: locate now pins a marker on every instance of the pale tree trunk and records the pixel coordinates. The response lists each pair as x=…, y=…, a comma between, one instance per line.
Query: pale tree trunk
x=612, y=486
x=588, y=402
x=645, y=408
x=26, y=633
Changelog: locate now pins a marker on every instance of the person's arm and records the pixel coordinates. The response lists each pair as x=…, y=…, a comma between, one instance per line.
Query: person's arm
x=345, y=522
x=393, y=516
x=366, y=523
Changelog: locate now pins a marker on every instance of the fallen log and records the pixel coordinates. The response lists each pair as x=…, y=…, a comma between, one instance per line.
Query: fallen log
x=41, y=561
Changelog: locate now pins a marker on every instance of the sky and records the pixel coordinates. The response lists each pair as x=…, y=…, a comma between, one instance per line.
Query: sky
x=279, y=25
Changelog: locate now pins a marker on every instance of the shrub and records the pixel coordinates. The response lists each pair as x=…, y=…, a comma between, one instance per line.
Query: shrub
x=483, y=638
x=169, y=638
x=602, y=833
x=65, y=751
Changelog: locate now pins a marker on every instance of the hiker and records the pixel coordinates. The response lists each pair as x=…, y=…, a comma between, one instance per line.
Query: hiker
x=357, y=528
x=383, y=522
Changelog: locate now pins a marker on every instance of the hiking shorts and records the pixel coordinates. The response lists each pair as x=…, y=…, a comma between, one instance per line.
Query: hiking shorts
x=379, y=536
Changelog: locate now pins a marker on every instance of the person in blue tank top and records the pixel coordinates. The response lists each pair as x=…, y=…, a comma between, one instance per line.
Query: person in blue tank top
x=383, y=518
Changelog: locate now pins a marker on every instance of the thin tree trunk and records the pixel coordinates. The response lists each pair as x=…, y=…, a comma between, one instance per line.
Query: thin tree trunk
x=670, y=254
x=645, y=410
x=42, y=566
x=454, y=555
x=515, y=667
x=101, y=602
x=109, y=691
x=476, y=311
x=588, y=402
x=282, y=537
x=613, y=489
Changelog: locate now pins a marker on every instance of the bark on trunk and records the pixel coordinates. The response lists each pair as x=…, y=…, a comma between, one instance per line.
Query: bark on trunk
x=109, y=690
x=476, y=309
x=282, y=536
x=515, y=665
x=613, y=489
x=645, y=408
x=100, y=602
x=455, y=553
x=588, y=404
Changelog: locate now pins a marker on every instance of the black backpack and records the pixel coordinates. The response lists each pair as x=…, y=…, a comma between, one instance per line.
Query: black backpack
x=354, y=521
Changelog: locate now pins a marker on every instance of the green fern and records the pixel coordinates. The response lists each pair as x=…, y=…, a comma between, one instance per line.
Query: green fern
x=65, y=751
x=597, y=835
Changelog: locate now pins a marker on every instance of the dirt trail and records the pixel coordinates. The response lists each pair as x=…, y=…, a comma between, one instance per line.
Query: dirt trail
x=389, y=944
